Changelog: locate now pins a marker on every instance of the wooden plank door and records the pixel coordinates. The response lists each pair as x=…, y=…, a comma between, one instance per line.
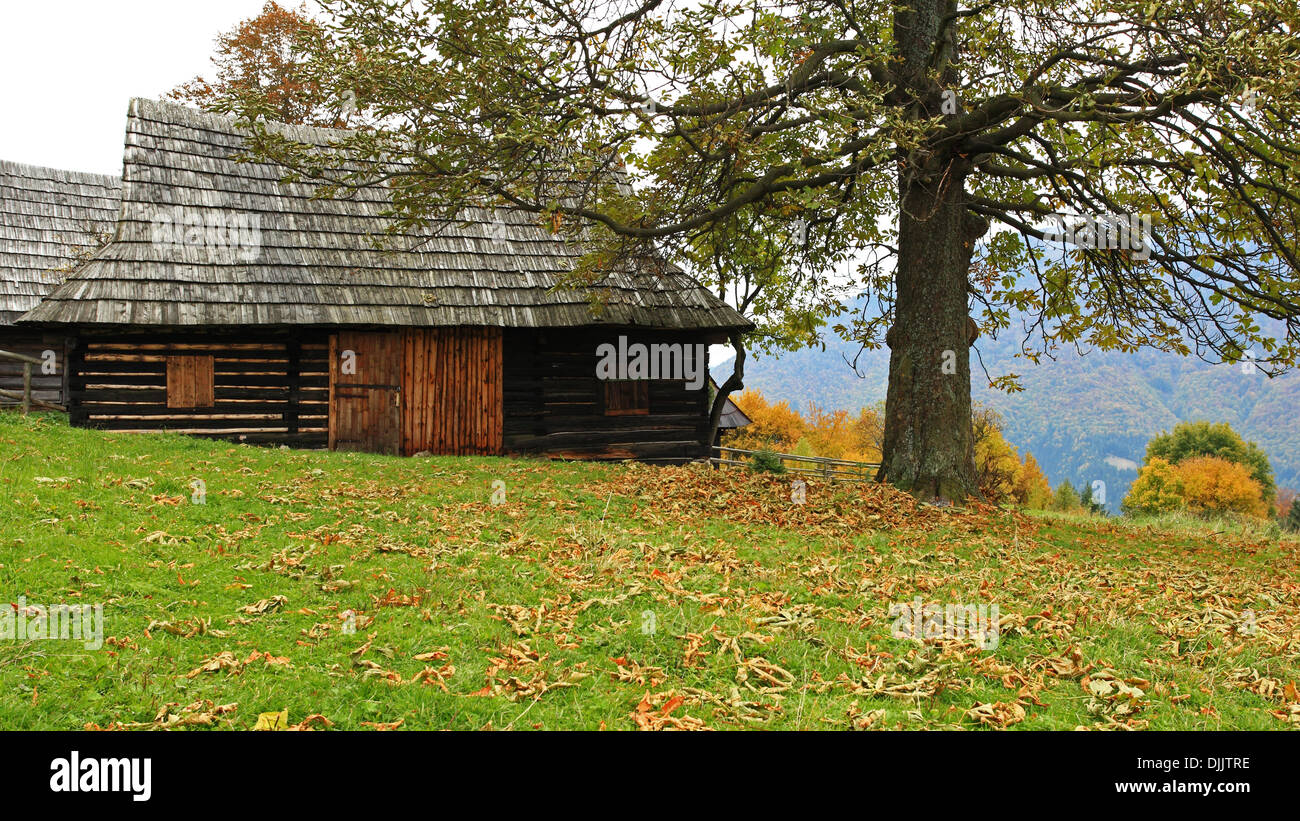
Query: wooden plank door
x=453, y=391
x=366, y=392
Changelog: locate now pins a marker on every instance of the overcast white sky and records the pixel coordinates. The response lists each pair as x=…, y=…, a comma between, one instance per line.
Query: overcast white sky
x=68, y=68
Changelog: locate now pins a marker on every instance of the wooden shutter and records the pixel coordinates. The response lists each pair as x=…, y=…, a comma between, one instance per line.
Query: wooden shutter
x=190, y=382
x=627, y=398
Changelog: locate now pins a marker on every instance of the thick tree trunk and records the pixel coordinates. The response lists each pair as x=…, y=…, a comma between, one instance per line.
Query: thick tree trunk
x=928, y=444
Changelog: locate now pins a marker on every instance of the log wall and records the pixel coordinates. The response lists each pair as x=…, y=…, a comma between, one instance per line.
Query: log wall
x=267, y=389
x=463, y=391
x=555, y=405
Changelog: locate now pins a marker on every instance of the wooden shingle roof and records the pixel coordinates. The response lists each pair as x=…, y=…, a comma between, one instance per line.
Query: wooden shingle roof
x=48, y=218
x=296, y=260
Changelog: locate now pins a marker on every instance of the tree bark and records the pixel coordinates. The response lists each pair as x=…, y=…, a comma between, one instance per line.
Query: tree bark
x=928, y=444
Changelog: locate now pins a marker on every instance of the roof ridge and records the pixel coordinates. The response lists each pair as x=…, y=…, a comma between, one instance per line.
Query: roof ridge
x=45, y=172
x=176, y=113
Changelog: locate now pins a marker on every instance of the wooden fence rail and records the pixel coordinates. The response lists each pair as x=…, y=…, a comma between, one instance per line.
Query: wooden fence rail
x=843, y=470
x=26, y=394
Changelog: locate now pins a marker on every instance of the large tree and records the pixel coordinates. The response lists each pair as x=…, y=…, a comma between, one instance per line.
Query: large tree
x=264, y=57
x=1121, y=172
x=1189, y=440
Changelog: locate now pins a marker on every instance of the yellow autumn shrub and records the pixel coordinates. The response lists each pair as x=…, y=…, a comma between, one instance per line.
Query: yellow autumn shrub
x=1200, y=484
x=1157, y=489
x=1030, y=485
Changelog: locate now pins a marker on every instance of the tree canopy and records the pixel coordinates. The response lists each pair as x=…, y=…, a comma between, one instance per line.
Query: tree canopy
x=1120, y=172
x=1192, y=439
x=263, y=58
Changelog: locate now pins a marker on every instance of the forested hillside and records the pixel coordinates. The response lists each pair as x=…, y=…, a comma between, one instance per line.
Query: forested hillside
x=1085, y=418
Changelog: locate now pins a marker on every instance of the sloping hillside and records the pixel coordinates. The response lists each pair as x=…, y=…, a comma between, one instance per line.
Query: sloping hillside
x=321, y=590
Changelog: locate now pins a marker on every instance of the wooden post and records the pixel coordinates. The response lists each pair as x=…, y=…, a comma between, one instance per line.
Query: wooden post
x=27, y=388
x=293, y=351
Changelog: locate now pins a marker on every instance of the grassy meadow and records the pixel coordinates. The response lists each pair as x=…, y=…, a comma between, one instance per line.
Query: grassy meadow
x=316, y=590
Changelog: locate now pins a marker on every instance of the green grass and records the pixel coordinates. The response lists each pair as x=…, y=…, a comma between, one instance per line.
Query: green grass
x=599, y=593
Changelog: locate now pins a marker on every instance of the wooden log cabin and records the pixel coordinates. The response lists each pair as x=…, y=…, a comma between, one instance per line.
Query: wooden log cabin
x=49, y=219
x=234, y=304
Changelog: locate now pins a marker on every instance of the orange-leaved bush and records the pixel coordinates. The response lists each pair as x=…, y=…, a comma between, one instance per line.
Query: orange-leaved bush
x=772, y=426
x=1003, y=477
x=832, y=434
x=1215, y=485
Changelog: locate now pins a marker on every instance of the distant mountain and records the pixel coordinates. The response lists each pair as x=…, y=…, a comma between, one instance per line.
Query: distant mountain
x=1085, y=418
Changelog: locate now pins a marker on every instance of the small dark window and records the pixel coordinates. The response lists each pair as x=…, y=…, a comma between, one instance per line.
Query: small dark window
x=189, y=382
x=627, y=398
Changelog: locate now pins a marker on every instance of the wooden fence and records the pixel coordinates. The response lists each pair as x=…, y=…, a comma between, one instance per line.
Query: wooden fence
x=843, y=470
x=26, y=394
